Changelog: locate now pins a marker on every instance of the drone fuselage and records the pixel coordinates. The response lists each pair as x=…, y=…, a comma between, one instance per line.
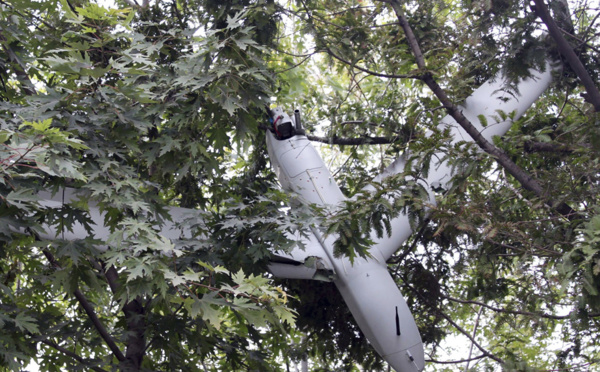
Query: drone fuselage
x=365, y=284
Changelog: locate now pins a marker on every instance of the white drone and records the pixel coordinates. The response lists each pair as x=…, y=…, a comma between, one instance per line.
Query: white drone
x=366, y=285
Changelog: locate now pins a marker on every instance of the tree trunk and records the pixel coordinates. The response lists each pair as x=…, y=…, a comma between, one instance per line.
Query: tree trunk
x=136, y=338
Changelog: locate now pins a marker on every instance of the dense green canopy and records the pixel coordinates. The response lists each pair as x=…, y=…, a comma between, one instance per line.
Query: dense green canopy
x=147, y=104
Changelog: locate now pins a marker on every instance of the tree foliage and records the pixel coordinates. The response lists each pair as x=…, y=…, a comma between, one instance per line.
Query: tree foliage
x=144, y=106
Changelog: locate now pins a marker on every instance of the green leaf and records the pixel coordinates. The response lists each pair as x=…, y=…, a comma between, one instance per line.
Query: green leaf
x=482, y=120
x=26, y=323
x=23, y=199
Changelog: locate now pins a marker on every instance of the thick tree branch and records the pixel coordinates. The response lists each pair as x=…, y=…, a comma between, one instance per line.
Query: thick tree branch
x=110, y=274
x=410, y=36
x=89, y=310
x=72, y=355
x=526, y=180
x=565, y=49
x=112, y=277
x=135, y=317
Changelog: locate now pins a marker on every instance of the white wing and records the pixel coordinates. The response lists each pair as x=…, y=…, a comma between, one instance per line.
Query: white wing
x=486, y=101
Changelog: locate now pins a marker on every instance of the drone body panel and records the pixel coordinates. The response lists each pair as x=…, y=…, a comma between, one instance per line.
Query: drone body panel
x=300, y=169
x=365, y=284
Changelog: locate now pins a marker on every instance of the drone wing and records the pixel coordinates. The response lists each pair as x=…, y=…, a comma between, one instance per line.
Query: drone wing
x=168, y=228
x=492, y=110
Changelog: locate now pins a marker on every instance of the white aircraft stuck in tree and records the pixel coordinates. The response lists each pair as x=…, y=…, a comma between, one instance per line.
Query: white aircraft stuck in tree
x=366, y=285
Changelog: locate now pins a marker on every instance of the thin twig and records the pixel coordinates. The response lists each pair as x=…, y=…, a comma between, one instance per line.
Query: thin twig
x=454, y=324
x=516, y=312
x=71, y=354
x=464, y=332
x=474, y=334
x=294, y=65
x=456, y=361
x=371, y=72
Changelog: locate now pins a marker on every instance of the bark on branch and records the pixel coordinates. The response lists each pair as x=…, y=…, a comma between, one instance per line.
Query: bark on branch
x=89, y=310
x=526, y=180
x=135, y=319
x=565, y=49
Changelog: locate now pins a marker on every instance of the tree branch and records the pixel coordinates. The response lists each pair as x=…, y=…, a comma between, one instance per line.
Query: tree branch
x=449, y=320
x=456, y=361
x=464, y=332
x=19, y=68
x=112, y=277
x=370, y=72
x=474, y=334
x=89, y=310
x=515, y=312
x=29, y=15
x=294, y=65
x=135, y=318
x=366, y=140
x=527, y=181
x=72, y=355
x=531, y=146
x=565, y=49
